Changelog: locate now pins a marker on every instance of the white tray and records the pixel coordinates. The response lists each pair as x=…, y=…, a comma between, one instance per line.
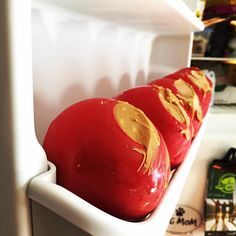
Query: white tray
x=43, y=190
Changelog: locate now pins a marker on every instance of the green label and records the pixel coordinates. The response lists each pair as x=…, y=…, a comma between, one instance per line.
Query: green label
x=220, y=183
x=226, y=183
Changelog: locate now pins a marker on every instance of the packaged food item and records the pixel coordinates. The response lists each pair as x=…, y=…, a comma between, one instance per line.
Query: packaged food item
x=200, y=42
x=201, y=39
x=220, y=205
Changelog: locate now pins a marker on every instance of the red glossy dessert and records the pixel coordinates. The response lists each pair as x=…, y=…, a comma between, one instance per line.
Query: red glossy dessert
x=164, y=109
x=110, y=154
x=185, y=92
x=199, y=82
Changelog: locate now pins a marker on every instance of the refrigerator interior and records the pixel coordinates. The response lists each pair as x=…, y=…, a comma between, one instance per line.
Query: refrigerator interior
x=219, y=136
x=82, y=49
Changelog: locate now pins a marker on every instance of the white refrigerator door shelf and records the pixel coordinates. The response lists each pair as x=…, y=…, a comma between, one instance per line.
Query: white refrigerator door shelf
x=43, y=190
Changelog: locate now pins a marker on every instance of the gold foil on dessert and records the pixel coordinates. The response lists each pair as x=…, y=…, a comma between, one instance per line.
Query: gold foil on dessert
x=174, y=107
x=200, y=80
x=139, y=128
x=188, y=95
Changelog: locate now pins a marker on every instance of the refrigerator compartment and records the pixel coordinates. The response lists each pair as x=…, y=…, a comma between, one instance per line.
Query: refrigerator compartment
x=75, y=56
x=48, y=195
x=79, y=55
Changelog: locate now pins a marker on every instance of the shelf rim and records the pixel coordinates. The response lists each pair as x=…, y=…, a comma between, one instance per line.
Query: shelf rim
x=173, y=15
x=223, y=59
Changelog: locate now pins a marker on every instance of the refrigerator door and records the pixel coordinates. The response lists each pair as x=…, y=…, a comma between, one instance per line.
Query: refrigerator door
x=74, y=50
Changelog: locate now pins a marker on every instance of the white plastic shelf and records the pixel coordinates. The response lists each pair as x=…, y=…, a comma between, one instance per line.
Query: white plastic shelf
x=215, y=59
x=43, y=190
x=210, y=59
x=166, y=16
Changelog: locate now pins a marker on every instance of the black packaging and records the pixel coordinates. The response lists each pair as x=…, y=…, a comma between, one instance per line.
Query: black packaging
x=220, y=205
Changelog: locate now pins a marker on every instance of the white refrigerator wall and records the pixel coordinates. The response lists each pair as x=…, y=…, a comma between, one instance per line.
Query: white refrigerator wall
x=77, y=57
